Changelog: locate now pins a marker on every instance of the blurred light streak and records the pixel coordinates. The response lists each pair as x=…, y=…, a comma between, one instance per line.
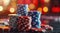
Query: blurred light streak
x=55, y=9
x=47, y=1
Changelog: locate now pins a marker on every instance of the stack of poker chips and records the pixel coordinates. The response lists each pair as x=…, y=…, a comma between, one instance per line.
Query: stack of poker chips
x=13, y=21
x=36, y=23
x=24, y=23
x=22, y=9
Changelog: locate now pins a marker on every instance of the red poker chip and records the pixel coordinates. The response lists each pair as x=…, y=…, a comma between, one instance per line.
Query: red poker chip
x=24, y=23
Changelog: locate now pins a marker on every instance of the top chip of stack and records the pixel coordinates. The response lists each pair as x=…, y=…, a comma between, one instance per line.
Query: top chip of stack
x=22, y=9
x=34, y=14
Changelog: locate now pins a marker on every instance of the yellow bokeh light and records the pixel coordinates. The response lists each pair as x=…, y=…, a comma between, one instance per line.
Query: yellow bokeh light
x=39, y=9
x=12, y=10
x=6, y=2
x=1, y=8
x=31, y=6
x=46, y=1
x=45, y=9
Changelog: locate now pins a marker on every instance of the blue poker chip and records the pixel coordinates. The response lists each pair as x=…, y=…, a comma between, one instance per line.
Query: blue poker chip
x=34, y=14
x=35, y=18
x=22, y=9
x=36, y=24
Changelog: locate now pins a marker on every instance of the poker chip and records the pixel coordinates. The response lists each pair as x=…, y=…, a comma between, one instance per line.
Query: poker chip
x=13, y=21
x=35, y=18
x=24, y=23
x=35, y=14
x=22, y=9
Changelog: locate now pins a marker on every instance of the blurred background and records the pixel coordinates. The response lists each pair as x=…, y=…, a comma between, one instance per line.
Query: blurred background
x=46, y=7
x=50, y=10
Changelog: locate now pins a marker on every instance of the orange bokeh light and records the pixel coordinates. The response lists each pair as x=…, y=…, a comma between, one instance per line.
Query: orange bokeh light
x=45, y=9
x=39, y=9
x=31, y=6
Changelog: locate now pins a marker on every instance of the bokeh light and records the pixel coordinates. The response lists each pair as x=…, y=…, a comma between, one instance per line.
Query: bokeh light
x=1, y=8
x=12, y=10
x=45, y=9
x=55, y=9
x=39, y=9
x=31, y=6
x=56, y=19
x=46, y=1
x=6, y=2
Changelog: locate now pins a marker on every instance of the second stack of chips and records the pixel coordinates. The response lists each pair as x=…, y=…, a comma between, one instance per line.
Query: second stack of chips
x=13, y=21
x=24, y=23
x=35, y=18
